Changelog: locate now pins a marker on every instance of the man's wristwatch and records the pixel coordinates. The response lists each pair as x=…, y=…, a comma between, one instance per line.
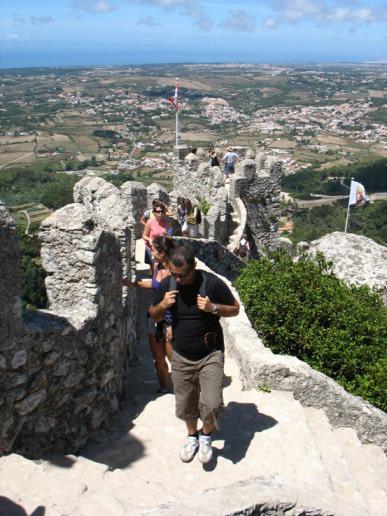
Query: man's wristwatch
x=215, y=309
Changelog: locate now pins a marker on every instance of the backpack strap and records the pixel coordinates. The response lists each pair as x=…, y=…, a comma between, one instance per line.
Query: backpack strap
x=202, y=290
x=172, y=283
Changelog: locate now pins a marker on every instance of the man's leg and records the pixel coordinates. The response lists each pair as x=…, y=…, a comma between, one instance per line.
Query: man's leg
x=211, y=376
x=186, y=388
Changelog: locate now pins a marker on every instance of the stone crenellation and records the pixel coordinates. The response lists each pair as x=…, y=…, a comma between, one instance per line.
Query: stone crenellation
x=63, y=368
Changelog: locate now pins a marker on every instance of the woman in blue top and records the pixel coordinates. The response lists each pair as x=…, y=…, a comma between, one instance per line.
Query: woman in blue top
x=159, y=334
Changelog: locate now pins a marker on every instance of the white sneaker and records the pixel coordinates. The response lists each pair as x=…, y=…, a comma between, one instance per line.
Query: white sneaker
x=205, y=449
x=189, y=449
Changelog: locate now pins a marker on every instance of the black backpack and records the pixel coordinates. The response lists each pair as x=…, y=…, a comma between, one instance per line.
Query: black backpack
x=198, y=216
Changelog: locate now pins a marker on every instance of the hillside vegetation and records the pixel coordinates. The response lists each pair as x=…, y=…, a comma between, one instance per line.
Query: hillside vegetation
x=369, y=220
x=302, y=309
x=372, y=175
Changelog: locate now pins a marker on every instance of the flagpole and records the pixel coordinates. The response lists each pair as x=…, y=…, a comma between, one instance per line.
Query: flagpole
x=347, y=217
x=177, y=116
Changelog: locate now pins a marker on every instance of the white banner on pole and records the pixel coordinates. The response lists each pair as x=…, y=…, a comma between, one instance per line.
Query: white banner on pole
x=357, y=194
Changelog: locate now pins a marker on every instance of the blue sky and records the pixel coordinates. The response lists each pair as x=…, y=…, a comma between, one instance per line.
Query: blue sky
x=103, y=32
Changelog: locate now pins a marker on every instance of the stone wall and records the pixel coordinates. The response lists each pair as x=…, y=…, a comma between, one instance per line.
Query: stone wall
x=256, y=183
x=259, y=190
x=260, y=368
x=61, y=370
x=196, y=181
x=216, y=257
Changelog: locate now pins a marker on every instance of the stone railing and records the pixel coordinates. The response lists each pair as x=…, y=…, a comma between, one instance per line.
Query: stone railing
x=215, y=256
x=261, y=368
x=61, y=370
x=241, y=214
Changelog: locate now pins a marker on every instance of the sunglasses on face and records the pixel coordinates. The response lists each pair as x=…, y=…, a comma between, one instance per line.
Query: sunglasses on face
x=158, y=211
x=181, y=275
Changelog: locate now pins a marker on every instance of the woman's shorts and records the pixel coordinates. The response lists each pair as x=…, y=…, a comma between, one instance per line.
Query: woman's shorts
x=151, y=325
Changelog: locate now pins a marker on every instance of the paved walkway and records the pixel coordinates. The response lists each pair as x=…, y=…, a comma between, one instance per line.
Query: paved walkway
x=135, y=466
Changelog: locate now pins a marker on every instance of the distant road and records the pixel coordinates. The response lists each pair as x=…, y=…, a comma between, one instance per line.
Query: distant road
x=17, y=159
x=379, y=196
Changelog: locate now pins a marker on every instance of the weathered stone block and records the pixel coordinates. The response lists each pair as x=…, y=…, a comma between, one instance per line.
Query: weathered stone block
x=30, y=403
x=19, y=359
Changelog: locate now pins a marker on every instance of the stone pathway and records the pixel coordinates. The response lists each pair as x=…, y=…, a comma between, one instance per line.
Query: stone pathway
x=272, y=451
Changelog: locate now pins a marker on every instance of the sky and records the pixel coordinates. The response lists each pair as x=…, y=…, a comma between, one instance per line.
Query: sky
x=123, y=32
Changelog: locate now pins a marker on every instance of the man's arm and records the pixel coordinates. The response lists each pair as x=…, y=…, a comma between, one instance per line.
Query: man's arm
x=158, y=311
x=206, y=305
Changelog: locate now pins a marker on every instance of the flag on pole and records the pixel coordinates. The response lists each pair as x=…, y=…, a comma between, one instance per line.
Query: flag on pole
x=357, y=194
x=174, y=100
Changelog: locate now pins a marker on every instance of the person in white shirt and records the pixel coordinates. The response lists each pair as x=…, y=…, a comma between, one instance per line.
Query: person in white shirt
x=229, y=159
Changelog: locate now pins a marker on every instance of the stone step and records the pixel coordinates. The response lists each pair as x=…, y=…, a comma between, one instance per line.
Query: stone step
x=29, y=485
x=331, y=453
x=104, y=504
x=365, y=473
x=263, y=434
x=284, y=444
x=271, y=437
x=76, y=467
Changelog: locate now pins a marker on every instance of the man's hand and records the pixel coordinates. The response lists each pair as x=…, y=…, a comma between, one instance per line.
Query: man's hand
x=204, y=303
x=169, y=299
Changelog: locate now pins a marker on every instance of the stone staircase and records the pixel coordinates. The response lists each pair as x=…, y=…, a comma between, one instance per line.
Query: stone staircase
x=272, y=455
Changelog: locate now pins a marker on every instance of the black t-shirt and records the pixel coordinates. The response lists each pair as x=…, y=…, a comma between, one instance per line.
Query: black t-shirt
x=196, y=334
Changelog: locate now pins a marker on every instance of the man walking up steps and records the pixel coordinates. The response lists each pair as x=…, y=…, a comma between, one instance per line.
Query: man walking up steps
x=196, y=300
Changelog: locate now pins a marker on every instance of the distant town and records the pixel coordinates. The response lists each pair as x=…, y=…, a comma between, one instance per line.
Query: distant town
x=120, y=118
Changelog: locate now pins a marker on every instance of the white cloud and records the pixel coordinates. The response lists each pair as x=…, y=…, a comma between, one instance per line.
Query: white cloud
x=12, y=37
x=148, y=21
x=192, y=8
x=270, y=23
x=325, y=12
x=41, y=20
x=95, y=6
x=168, y=4
x=204, y=23
x=240, y=21
x=17, y=20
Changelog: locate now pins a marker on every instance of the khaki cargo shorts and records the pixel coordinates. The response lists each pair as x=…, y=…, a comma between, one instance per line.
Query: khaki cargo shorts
x=198, y=387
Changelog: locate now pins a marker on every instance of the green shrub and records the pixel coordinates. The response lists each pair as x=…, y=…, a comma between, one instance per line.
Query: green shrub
x=302, y=309
x=204, y=205
x=33, y=289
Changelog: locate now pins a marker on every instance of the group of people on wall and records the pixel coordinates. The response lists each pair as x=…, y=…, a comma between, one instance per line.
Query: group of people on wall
x=183, y=326
x=183, y=321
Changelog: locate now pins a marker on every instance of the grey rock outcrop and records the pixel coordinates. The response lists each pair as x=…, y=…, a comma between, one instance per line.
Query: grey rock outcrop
x=356, y=259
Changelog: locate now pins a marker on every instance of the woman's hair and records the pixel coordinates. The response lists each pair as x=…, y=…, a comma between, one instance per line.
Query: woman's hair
x=158, y=204
x=163, y=244
x=188, y=204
